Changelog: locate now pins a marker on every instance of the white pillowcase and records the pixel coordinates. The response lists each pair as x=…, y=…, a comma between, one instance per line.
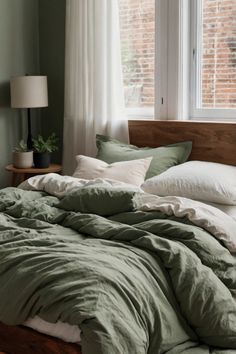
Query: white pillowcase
x=204, y=181
x=132, y=172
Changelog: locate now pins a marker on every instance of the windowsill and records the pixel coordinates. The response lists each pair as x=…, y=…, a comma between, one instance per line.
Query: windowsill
x=139, y=113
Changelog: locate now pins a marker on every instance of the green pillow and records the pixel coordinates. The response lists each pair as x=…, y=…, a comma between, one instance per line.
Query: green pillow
x=98, y=199
x=111, y=150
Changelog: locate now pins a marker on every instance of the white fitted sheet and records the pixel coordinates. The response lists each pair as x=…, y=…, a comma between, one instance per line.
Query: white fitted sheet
x=60, y=330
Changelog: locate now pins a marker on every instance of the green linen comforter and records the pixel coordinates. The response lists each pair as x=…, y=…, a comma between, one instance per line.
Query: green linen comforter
x=135, y=282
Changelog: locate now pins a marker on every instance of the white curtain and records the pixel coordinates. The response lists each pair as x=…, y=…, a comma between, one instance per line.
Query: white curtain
x=94, y=100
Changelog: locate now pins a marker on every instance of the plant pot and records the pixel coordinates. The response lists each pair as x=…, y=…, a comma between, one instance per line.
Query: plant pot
x=41, y=159
x=23, y=159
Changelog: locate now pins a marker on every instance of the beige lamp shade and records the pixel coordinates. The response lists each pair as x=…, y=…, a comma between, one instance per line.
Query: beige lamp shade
x=29, y=92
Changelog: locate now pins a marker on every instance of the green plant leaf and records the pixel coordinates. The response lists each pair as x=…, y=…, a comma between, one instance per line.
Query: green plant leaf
x=22, y=147
x=47, y=145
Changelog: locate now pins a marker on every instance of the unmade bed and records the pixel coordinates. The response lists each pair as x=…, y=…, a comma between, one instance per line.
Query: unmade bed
x=138, y=273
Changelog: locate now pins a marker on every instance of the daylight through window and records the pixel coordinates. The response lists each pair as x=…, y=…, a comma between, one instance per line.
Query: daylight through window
x=137, y=25
x=217, y=48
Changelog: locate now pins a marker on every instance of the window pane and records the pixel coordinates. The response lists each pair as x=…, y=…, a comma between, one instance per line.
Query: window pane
x=217, y=70
x=137, y=22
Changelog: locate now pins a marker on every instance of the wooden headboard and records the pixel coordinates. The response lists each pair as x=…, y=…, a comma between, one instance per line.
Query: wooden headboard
x=215, y=142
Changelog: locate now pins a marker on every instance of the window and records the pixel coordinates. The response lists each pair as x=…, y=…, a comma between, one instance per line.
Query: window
x=137, y=26
x=214, y=59
x=195, y=34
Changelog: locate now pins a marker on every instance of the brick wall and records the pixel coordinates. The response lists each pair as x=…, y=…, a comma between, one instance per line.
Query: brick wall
x=219, y=54
x=137, y=22
x=218, y=71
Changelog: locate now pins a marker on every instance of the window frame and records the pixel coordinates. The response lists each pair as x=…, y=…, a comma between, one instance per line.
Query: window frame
x=216, y=114
x=176, y=67
x=161, y=59
x=171, y=59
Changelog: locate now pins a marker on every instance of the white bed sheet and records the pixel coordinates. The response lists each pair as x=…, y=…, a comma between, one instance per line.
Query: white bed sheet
x=60, y=330
x=227, y=209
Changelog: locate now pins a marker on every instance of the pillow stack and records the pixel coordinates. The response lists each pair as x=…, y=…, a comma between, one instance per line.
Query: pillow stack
x=111, y=150
x=203, y=181
x=128, y=163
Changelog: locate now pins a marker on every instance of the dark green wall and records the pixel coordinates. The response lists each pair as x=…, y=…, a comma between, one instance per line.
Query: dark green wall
x=52, y=54
x=19, y=54
x=32, y=40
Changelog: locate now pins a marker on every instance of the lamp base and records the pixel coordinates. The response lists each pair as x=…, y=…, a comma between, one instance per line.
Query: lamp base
x=29, y=142
x=29, y=138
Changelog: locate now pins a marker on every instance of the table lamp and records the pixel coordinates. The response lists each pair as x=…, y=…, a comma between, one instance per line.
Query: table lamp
x=29, y=92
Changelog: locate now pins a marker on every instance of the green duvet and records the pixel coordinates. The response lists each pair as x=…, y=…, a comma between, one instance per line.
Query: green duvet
x=134, y=282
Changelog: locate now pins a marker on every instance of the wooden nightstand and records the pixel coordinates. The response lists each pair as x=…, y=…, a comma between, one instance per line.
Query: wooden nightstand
x=21, y=174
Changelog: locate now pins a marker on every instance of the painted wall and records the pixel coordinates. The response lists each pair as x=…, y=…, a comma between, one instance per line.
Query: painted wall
x=52, y=54
x=32, y=40
x=19, y=54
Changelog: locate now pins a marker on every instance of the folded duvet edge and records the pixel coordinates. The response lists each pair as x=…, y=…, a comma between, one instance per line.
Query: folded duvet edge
x=213, y=220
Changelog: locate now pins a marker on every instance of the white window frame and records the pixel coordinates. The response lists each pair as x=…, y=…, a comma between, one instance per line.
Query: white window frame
x=176, y=61
x=140, y=112
x=195, y=55
x=161, y=64
x=172, y=83
x=166, y=66
x=171, y=60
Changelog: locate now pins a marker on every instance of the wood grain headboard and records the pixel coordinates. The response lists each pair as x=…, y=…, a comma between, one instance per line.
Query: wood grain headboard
x=215, y=142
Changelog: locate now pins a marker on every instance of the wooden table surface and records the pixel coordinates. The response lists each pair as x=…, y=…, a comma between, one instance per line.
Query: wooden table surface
x=21, y=174
x=32, y=170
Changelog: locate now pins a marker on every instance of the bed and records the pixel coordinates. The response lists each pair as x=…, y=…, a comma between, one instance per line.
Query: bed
x=214, y=142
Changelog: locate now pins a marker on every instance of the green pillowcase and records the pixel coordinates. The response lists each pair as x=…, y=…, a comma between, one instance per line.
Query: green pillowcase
x=100, y=200
x=111, y=150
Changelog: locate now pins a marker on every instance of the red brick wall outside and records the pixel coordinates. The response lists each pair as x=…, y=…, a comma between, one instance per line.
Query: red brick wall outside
x=219, y=54
x=137, y=24
x=218, y=70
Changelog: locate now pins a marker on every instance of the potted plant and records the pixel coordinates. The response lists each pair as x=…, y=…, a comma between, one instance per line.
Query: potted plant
x=43, y=149
x=22, y=157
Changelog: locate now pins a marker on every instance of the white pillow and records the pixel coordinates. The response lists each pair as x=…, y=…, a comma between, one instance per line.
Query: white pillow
x=204, y=181
x=132, y=172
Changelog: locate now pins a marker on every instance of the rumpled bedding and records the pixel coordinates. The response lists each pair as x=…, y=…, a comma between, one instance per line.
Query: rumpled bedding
x=156, y=277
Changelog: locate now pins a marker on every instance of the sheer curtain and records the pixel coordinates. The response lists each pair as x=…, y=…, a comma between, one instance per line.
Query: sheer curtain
x=94, y=100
